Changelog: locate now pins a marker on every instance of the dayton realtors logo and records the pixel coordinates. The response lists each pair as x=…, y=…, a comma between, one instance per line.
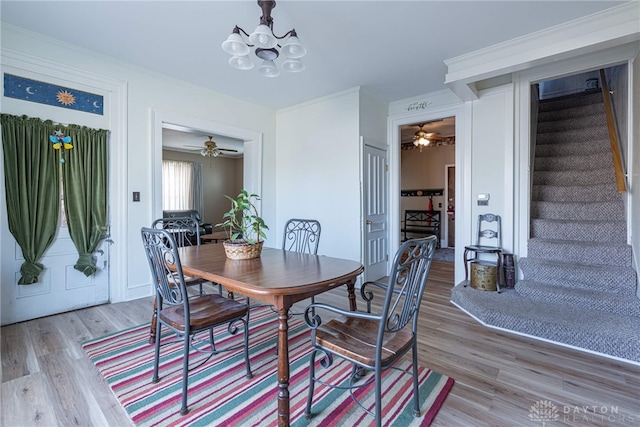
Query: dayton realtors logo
x=544, y=411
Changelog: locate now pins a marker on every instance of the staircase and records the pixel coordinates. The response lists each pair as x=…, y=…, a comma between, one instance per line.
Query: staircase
x=579, y=284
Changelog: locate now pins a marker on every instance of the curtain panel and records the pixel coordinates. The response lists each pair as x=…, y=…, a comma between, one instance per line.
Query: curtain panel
x=32, y=186
x=85, y=192
x=35, y=153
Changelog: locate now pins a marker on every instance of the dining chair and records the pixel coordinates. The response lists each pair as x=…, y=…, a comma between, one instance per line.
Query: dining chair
x=374, y=343
x=302, y=235
x=188, y=316
x=487, y=232
x=185, y=231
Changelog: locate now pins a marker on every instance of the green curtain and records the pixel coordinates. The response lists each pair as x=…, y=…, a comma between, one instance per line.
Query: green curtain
x=32, y=185
x=85, y=192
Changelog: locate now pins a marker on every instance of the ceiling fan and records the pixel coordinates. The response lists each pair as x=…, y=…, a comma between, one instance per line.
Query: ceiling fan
x=421, y=139
x=211, y=149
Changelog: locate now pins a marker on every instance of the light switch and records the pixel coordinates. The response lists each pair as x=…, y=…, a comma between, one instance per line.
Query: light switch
x=483, y=199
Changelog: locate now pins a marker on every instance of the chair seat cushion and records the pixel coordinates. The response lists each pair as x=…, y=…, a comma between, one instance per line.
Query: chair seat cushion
x=480, y=248
x=205, y=310
x=356, y=339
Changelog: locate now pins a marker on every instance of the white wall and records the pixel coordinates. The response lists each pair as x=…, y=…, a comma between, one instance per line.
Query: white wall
x=149, y=91
x=318, y=174
x=491, y=162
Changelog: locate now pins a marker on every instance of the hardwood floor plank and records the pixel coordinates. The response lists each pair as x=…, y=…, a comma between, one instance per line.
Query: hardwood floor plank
x=499, y=375
x=71, y=407
x=15, y=350
x=26, y=402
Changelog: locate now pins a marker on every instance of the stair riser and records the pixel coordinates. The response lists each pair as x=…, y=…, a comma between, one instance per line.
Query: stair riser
x=611, y=231
x=594, y=278
x=569, y=113
x=570, y=124
x=627, y=305
x=573, y=136
x=587, y=177
x=575, y=193
x=578, y=211
x=563, y=104
x=572, y=149
x=600, y=160
x=618, y=256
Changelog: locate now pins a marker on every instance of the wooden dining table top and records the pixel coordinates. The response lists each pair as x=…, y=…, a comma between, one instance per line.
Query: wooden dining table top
x=275, y=273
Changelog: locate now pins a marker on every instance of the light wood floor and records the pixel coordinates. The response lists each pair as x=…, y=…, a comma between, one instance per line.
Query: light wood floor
x=47, y=379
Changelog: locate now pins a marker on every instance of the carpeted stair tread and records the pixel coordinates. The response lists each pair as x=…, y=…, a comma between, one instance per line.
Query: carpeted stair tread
x=572, y=149
x=612, y=210
x=594, y=193
x=574, y=135
x=580, y=276
x=571, y=101
x=584, y=231
x=574, y=162
x=597, y=331
x=571, y=112
x=574, y=177
x=561, y=125
x=617, y=254
x=591, y=299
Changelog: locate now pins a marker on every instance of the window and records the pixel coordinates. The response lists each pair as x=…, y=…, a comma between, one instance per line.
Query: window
x=181, y=185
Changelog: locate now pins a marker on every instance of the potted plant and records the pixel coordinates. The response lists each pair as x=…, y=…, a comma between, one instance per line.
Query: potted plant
x=244, y=227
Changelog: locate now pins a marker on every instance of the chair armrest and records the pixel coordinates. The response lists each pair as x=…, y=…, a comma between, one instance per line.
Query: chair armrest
x=313, y=320
x=368, y=295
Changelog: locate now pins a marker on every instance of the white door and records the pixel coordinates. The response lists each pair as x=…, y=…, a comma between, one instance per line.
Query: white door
x=60, y=287
x=375, y=206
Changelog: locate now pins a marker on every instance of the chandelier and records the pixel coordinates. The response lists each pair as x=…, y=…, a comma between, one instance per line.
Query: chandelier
x=267, y=47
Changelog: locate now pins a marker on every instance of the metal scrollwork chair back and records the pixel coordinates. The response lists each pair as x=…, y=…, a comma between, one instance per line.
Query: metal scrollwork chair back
x=375, y=342
x=191, y=318
x=301, y=235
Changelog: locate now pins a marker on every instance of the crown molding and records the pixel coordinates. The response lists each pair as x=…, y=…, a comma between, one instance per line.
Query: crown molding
x=612, y=27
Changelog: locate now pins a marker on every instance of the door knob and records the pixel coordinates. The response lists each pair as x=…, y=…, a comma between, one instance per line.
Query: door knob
x=369, y=222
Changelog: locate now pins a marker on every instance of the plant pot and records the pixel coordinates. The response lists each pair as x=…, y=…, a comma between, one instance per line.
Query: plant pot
x=242, y=250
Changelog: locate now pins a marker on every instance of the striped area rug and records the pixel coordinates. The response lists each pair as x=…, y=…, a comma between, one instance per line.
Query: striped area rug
x=220, y=395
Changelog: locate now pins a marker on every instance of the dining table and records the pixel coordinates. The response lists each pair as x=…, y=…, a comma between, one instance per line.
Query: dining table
x=279, y=278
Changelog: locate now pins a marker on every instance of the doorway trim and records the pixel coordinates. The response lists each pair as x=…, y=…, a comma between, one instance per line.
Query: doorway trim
x=252, y=157
x=458, y=111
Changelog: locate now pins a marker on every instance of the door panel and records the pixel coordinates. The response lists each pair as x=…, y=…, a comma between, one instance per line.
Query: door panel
x=60, y=287
x=375, y=202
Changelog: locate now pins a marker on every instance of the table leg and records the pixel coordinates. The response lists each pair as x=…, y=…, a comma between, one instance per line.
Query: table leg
x=283, y=367
x=352, y=295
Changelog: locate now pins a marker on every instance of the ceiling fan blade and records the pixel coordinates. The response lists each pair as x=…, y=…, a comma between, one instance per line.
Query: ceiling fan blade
x=227, y=149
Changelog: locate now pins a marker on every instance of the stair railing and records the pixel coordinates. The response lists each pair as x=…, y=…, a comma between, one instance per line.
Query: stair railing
x=613, y=136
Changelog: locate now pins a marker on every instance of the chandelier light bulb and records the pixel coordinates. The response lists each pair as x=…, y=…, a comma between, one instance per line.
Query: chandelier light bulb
x=293, y=48
x=241, y=62
x=269, y=69
x=293, y=65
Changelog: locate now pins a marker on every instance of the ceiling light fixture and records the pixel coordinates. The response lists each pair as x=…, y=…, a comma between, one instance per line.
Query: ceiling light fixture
x=421, y=138
x=266, y=43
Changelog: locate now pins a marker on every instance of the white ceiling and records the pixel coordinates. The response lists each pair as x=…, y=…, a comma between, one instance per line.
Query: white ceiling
x=393, y=49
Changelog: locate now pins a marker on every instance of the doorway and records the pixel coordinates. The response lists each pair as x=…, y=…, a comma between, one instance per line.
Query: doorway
x=251, y=146
x=426, y=150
